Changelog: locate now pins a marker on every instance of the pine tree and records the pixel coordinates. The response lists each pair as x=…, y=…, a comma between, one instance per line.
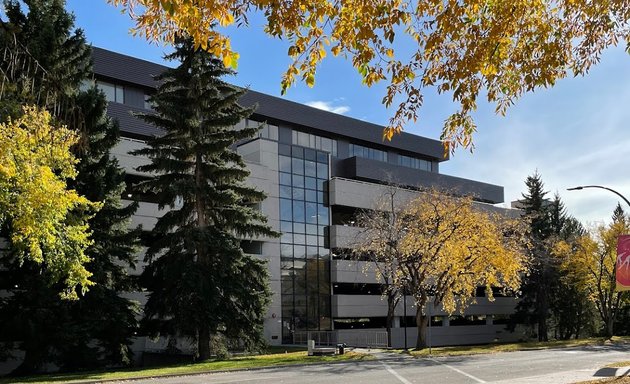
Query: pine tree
x=96, y=329
x=534, y=306
x=202, y=284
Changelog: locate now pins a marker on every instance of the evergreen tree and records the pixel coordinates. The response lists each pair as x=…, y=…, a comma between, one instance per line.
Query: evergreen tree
x=96, y=329
x=534, y=306
x=202, y=284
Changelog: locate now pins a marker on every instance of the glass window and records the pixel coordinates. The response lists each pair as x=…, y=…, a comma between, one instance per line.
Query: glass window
x=311, y=213
x=300, y=253
x=285, y=226
x=284, y=163
x=299, y=238
x=285, y=191
x=413, y=162
x=298, y=211
x=310, y=168
x=298, y=181
x=112, y=92
x=310, y=183
x=313, y=141
x=368, y=153
x=298, y=166
x=286, y=238
x=299, y=228
x=303, y=139
x=322, y=171
x=285, y=209
x=298, y=193
x=311, y=195
x=285, y=178
x=322, y=211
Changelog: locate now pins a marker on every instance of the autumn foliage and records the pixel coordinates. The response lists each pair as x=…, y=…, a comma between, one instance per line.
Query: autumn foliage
x=440, y=248
x=35, y=162
x=466, y=49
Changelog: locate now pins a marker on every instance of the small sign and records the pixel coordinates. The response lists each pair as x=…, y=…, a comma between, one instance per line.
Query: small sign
x=622, y=270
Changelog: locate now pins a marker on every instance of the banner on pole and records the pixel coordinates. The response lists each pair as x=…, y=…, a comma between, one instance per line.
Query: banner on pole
x=622, y=267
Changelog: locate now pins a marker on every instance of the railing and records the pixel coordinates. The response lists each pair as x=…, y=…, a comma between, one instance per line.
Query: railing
x=321, y=337
x=365, y=339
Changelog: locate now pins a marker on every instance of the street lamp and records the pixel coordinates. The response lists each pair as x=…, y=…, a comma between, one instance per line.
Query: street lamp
x=579, y=188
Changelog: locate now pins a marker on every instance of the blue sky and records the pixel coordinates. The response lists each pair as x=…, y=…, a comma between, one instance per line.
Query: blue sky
x=574, y=134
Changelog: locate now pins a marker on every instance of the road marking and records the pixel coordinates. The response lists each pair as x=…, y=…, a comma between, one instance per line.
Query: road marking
x=391, y=370
x=459, y=371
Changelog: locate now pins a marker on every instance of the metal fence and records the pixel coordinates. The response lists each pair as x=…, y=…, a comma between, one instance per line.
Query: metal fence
x=328, y=338
x=365, y=339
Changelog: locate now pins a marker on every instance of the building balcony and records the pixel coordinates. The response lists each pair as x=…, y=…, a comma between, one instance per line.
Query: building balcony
x=349, y=306
x=358, y=168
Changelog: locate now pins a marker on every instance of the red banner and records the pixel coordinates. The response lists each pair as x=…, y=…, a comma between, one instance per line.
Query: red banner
x=622, y=270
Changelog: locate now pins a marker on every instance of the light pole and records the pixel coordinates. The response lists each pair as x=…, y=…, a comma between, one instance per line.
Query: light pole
x=579, y=188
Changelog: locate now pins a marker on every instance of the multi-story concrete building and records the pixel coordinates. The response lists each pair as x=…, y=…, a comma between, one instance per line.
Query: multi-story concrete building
x=317, y=169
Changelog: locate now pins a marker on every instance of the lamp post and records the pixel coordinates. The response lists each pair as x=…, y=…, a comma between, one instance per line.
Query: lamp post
x=579, y=188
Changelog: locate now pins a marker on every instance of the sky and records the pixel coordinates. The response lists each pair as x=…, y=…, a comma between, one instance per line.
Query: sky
x=575, y=133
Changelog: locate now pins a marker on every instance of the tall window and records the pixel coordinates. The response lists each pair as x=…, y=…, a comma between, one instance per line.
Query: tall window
x=367, y=153
x=305, y=262
x=113, y=92
x=316, y=142
x=413, y=162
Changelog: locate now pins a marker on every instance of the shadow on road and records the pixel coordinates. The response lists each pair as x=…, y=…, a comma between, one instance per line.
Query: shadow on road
x=609, y=372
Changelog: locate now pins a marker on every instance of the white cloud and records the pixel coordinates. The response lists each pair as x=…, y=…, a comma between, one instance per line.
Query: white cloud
x=328, y=106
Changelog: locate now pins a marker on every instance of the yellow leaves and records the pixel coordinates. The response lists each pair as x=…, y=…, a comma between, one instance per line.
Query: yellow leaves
x=504, y=47
x=443, y=246
x=46, y=219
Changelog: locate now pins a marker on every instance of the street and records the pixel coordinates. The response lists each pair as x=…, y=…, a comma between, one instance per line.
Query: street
x=539, y=366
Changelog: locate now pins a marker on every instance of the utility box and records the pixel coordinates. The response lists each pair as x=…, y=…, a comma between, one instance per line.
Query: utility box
x=311, y=346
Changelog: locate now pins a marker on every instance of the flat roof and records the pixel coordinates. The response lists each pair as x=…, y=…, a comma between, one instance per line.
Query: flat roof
x=131, y=70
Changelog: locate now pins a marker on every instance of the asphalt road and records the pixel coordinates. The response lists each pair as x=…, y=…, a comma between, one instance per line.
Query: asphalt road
x=542, y=366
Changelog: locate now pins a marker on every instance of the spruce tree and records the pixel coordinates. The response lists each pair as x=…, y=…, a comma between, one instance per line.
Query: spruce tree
x=534, y=306
x=96, y=329
x=201, y=284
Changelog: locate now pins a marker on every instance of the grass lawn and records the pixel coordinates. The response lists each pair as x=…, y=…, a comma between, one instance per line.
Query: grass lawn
x=275, y=358
x=496, y=348
x=609, y=380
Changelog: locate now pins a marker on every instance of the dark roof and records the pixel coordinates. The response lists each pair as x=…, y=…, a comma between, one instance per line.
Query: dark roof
x=129, y=123
x=276, y=110
x=125, y=68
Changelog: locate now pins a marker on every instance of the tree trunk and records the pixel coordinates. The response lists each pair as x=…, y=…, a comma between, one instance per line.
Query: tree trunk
x=421, y=321
x=203, y=259
x=543, y=309
x=391, y=310
x=203, y=344
x=609, y=327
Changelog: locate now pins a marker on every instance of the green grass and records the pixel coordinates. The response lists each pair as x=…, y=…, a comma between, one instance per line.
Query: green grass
x=512, y=347
x=236, y=363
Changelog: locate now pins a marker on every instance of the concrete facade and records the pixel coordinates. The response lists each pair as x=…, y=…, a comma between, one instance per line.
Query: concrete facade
x=303, y=202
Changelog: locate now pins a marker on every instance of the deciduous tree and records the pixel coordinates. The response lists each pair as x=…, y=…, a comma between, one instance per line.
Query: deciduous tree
x=466, y=49
x=590, y=264
x=36, y=204
x=201, y=283
x=97, y=329
x=379, y=241
x=450, y=248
